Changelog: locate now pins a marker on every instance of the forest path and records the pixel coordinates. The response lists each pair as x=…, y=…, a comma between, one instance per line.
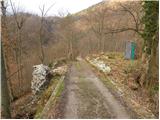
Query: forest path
x=87, y=97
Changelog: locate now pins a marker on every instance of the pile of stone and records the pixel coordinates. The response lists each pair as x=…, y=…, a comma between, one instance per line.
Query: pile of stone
x=59, y=70
x=100, y=65
x=40, y=77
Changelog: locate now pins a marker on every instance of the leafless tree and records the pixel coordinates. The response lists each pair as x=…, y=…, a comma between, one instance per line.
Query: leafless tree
x=20, y=21
x=96, y=20
x=41, y=33
x=135, y=16
x=69, y=36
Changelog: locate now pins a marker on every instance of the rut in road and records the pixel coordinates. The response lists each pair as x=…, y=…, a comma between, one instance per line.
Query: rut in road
x=87, y=96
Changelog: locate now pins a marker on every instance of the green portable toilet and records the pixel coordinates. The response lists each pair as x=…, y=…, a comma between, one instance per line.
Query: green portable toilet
x=130, y=50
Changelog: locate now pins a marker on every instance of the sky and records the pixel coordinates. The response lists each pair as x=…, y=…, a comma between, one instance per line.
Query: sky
x=72, y=6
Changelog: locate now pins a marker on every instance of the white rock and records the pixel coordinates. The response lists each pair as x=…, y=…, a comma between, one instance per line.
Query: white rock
x=100, y=65
x=40, y=73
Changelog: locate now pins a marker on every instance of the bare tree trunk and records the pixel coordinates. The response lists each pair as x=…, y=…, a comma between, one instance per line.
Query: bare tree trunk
x=152, y=73
x=17, y=57
x=6, y=48
x=5, y=93
x=20, y=59
x=71, y=50
x=5, y=104
x=41, y=42
x=67, y=55
x=103, y=43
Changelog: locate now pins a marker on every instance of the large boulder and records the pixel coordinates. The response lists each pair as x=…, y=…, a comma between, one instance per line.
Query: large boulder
x=40, y=77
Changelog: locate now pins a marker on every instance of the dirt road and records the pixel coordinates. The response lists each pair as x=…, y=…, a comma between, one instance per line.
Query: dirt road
x=87, y=97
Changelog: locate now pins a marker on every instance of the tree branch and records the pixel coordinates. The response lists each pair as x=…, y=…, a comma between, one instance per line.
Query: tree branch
x=131, y=13
x=123, y=30
x=14, y=73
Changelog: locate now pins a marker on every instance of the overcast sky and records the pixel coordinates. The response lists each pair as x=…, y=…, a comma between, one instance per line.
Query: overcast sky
x=72, y=6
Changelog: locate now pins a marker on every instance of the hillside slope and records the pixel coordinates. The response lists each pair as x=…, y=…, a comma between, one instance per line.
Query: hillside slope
x=102, y=14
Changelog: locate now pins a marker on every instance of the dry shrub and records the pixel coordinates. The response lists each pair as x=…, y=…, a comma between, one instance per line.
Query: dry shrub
x=135, y=74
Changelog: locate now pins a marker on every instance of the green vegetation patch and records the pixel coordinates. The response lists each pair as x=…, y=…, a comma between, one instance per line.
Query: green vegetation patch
x=78, y=66
x=55, y=94
x=45, y=95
